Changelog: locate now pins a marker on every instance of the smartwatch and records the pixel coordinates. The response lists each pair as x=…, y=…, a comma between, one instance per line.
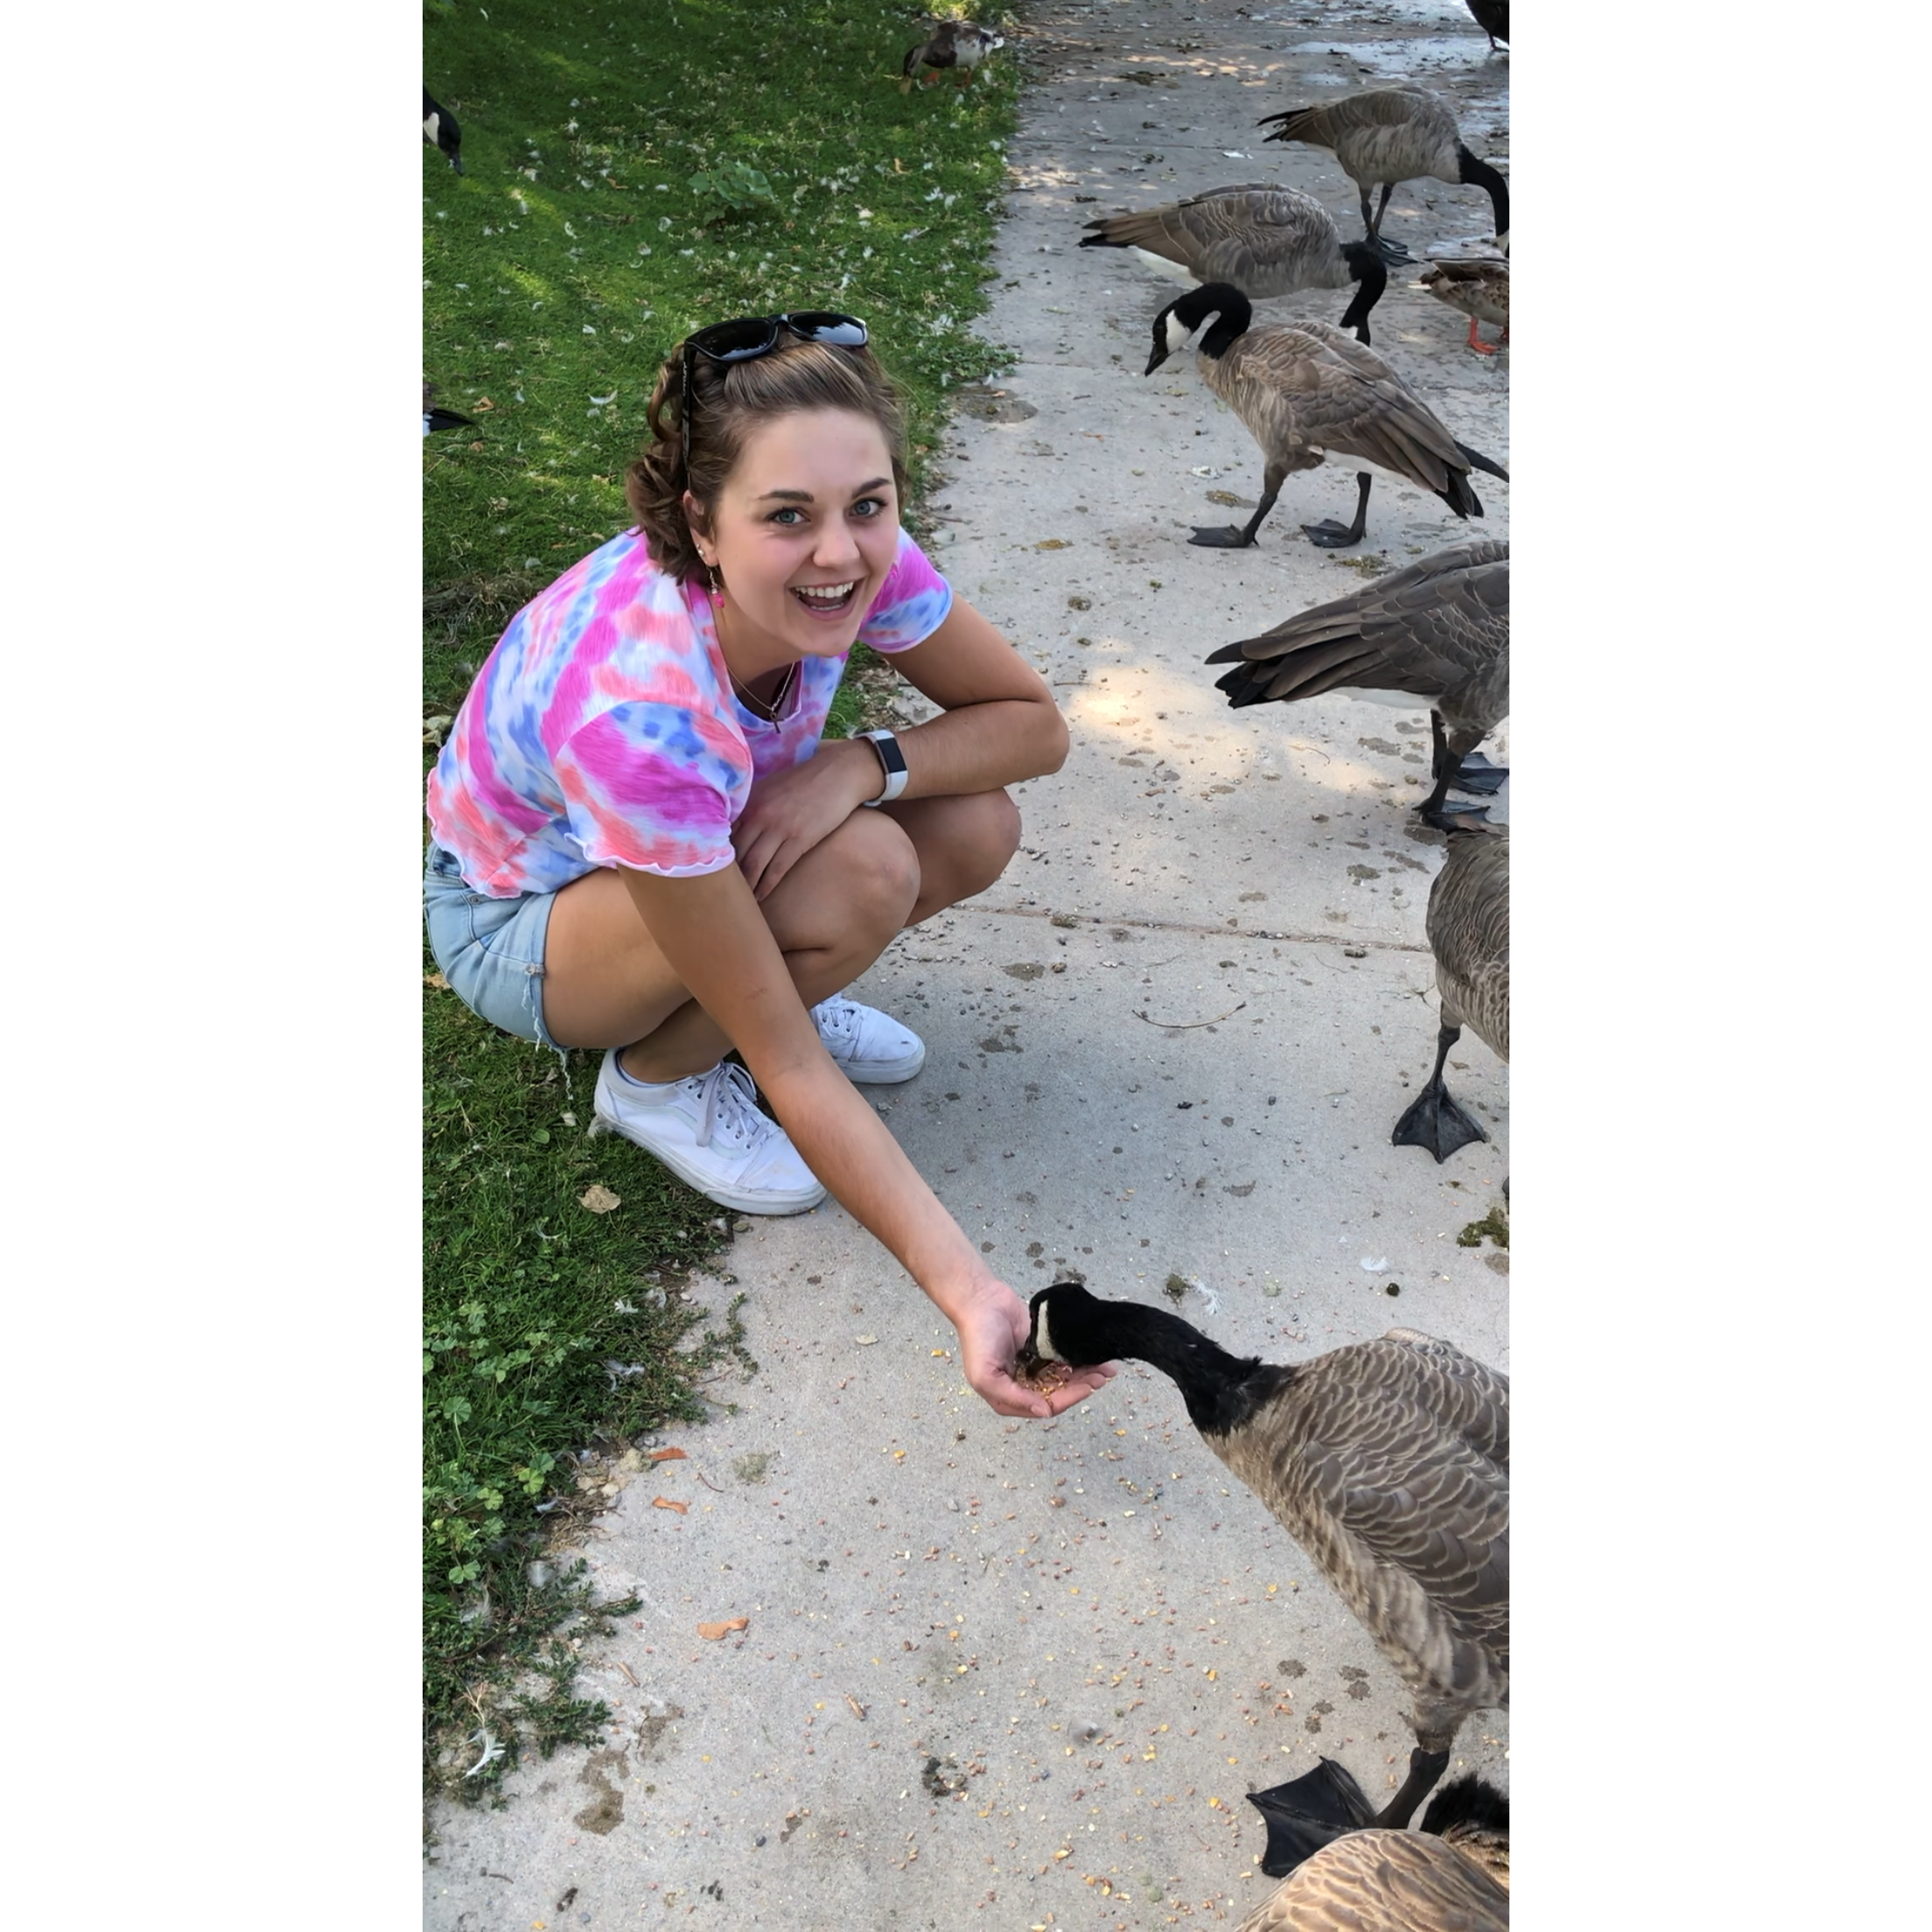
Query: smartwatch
x=894, y=761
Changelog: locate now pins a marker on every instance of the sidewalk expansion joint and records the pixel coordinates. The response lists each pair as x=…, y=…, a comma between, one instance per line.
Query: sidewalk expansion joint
x=1355, y=939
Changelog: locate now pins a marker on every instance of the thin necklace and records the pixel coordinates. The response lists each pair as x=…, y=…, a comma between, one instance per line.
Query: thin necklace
x=762, y=707
x=768, y=709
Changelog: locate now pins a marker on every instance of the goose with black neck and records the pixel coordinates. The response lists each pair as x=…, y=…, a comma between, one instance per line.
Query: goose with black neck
x=1304, y=389
x=1388, y=1461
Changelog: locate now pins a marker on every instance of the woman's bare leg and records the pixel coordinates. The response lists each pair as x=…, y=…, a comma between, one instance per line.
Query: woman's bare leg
x=963, y=842
x=606, y=984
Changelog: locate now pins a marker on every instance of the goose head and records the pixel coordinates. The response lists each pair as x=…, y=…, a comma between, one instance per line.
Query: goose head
x=1066, y=1325
x=1069, y=1324
x=1178, y=324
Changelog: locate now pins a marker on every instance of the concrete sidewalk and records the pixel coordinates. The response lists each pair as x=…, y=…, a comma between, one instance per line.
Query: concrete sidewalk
x=1021, y=1673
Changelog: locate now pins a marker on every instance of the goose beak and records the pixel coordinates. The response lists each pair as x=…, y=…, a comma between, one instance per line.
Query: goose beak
x=1155, y=361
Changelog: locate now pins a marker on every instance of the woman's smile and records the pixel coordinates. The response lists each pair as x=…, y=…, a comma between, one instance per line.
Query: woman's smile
x=827, y=601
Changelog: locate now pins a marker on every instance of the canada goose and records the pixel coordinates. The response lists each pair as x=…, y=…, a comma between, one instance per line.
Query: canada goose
x=1305, y=388
x=1452, y=1877
x=440, y=130
x=1389, y=135
x=1492, y=16
x=1479, y=286
x=1468, y=926
x=1264, y=241
x=1438, y=631
x=961, y=44
x=441, y=419
x=1388, y=1461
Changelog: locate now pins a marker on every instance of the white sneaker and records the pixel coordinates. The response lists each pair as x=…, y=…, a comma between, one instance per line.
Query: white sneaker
x=865, y=1045
x=708, y=1131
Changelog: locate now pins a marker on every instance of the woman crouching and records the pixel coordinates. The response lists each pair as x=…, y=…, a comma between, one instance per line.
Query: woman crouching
x=642, y=843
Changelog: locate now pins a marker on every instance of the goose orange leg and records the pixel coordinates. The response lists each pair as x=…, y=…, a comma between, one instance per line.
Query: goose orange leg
x=1481, y=348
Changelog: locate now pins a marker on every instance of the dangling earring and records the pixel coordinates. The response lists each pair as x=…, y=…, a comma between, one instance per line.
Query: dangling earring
x=717, y=583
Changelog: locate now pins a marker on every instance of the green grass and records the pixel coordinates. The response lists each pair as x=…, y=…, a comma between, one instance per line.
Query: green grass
x=541, y=295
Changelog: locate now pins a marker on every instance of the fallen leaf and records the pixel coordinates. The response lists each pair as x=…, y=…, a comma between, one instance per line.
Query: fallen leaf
x=437, y=981
x=669, y=1455
x=712, y=1632
x=858, y=1710
x=599, y=1199
x=665, y=1502
x=1053, y=544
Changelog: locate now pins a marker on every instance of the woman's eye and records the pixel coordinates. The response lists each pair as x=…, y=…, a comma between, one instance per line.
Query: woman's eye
x=869, y=506
x=781, y=516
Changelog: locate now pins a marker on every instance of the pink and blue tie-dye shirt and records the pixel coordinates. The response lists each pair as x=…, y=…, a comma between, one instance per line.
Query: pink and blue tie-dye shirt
x=604, y=729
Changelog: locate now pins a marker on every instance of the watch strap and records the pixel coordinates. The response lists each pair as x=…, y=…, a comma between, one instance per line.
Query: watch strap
x=893, y=761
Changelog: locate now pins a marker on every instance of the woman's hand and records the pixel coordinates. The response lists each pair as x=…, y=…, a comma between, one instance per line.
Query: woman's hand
x=789, y=812
x=992, y=1328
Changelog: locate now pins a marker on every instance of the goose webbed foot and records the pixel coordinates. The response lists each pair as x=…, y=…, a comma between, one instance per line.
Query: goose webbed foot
x=1447, y=818
x=1394, y=252
x=1331, y=536
x=1476, y=341
x=1477, y=774
x=1307, y=1813
x=1425, y=1770
x=1225, y=537
x=1434, y=1121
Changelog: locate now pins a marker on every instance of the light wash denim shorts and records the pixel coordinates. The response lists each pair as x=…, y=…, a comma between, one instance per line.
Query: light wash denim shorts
x=491, y=950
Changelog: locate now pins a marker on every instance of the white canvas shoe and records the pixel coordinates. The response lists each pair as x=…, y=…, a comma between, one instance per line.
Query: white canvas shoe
x=709, y=1131
x=869, y=1048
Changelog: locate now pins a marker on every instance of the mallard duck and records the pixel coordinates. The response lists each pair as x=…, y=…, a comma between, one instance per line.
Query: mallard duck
x=440, y=130
x=1303, y=389
x=1478, y=285
x=1388, y=1461
x=1345, y=1875
x=961, y=44
x=1438, y=631
x=1264, y=241
x=1468, y=926
x=1492, y=16
x=1389, y=135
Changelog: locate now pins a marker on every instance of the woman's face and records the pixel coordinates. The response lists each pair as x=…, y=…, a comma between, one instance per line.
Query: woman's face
x=804, y=532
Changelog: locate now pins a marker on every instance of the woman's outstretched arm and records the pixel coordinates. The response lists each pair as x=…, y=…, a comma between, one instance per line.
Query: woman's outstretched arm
x=713, y=934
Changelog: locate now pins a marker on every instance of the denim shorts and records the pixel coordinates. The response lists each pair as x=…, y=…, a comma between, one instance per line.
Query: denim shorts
x=491, y=950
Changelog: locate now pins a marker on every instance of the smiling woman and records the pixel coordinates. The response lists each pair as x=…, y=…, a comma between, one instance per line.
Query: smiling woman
x=643, y=843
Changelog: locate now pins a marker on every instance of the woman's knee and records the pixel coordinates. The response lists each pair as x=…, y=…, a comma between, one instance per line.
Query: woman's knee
x=876, y=870
x=987, y=838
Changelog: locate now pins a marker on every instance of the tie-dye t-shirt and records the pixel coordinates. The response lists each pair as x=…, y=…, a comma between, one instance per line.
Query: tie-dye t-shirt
x=604, y=729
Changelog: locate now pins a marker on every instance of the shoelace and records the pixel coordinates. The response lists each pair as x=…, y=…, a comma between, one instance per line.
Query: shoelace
x=837, y=1016
x=728, y=1094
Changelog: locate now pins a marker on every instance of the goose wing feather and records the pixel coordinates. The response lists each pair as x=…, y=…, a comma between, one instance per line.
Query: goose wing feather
x=1265, y=241
x=1384, y=1881
x=1384, y=134
x=1468, y=927
x=1312, y=386
x=1426, y=630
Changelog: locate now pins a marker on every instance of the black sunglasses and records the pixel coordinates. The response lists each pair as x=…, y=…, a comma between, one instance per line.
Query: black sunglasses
x=750, y=336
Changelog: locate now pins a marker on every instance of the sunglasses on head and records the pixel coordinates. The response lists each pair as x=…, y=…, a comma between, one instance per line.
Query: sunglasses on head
x=752, y=336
